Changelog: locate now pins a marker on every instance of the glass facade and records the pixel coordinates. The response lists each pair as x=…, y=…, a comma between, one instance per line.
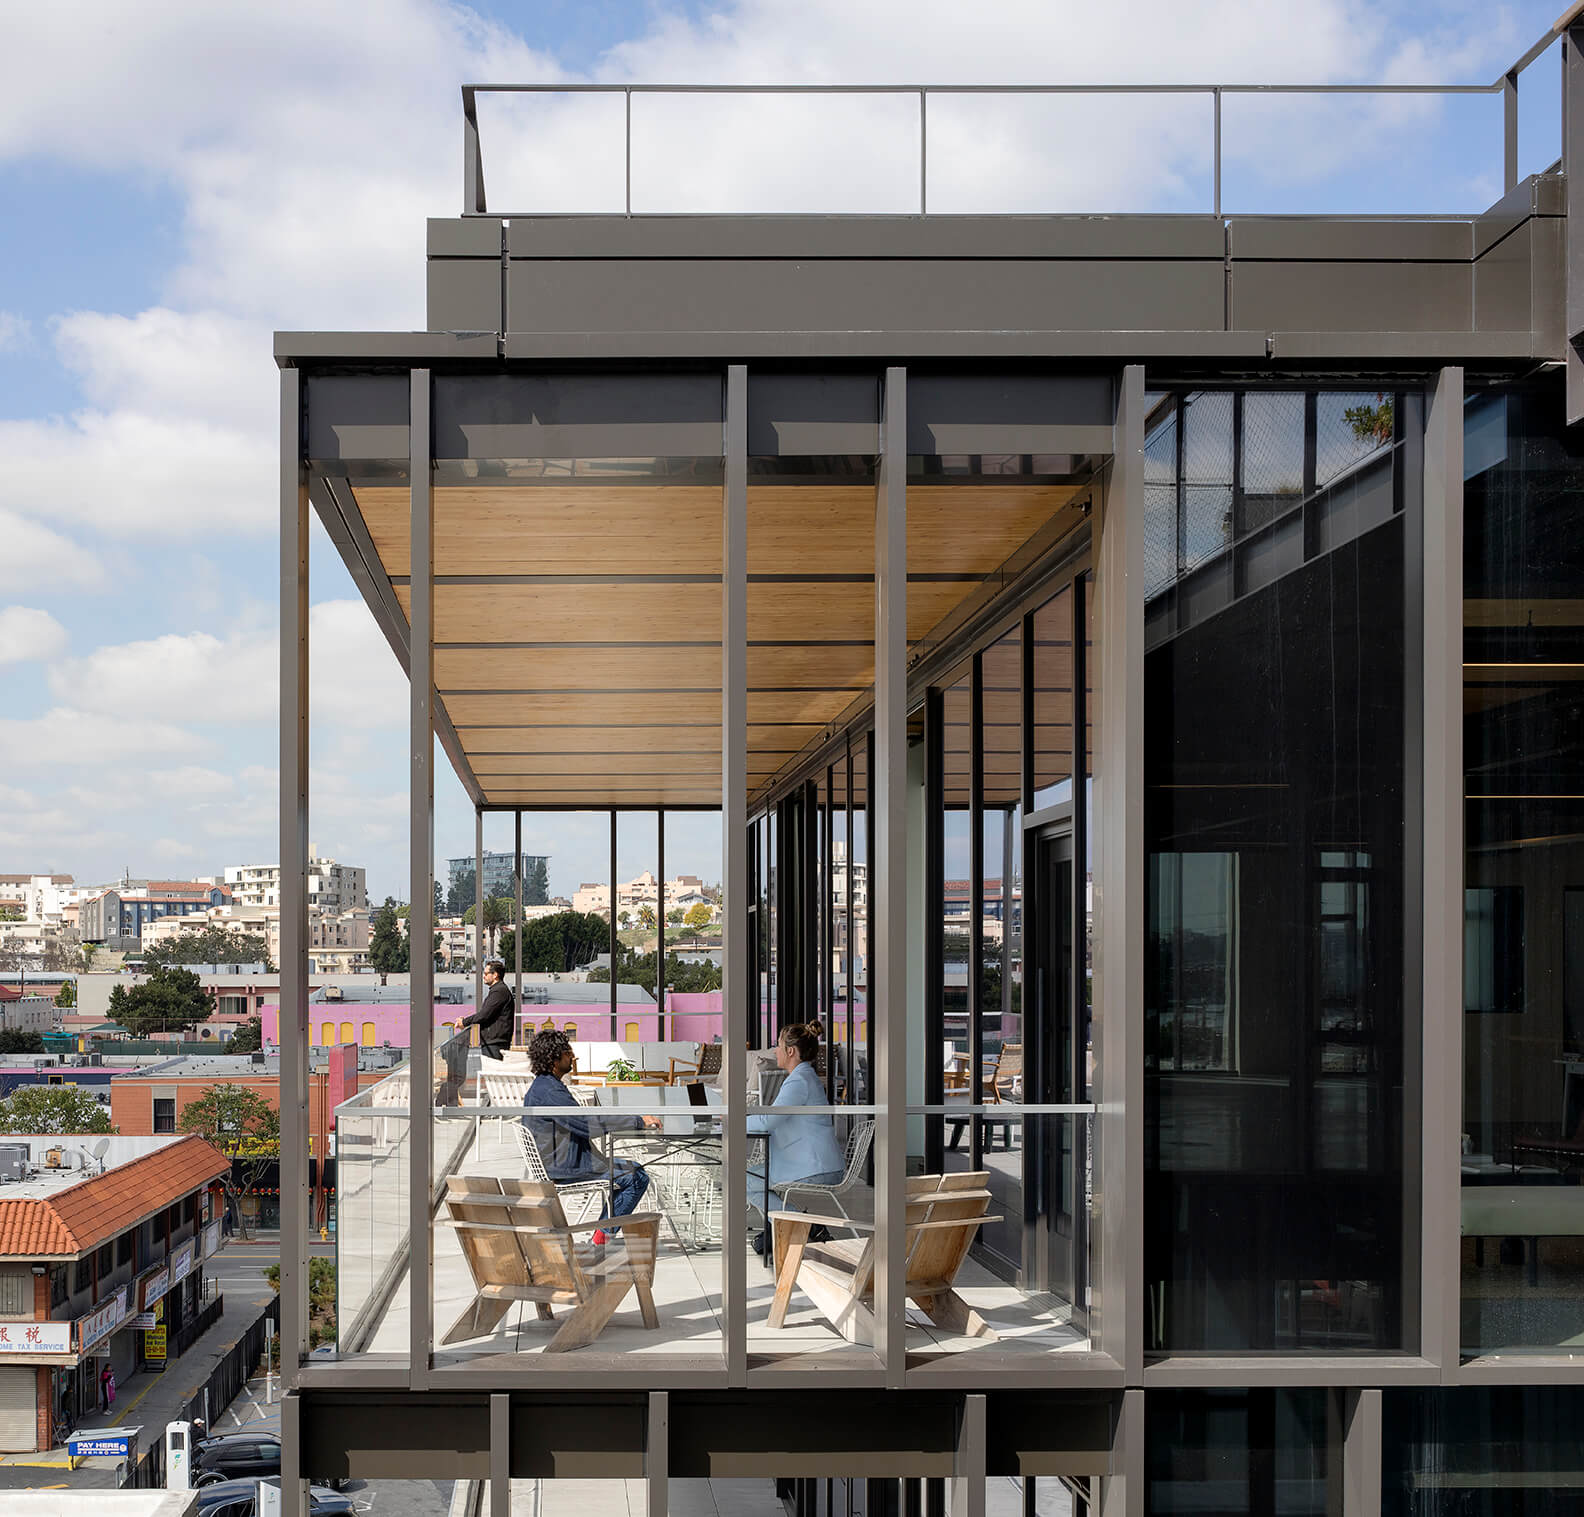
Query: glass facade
x=1523, y=993
x=1276, y=805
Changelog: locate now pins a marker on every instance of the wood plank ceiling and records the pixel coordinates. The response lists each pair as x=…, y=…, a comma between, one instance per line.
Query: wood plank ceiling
x=577, y=627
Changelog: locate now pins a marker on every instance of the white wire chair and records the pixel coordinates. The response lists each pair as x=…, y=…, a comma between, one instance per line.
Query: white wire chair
x=583, y=1192
x=858, y=1142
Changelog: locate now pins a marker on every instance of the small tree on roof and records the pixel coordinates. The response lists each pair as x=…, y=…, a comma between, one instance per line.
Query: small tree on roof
x=243, y=1126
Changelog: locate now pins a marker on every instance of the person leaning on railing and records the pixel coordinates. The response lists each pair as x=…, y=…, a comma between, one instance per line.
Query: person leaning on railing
x=566, y=1143
x=802, y=1148
x=497, y=1017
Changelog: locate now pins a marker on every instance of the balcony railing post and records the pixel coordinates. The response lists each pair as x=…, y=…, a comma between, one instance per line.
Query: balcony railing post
x=1217, y=98
x=1510, y=131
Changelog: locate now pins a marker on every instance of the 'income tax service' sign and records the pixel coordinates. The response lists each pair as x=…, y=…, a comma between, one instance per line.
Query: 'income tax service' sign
x=35, y=1338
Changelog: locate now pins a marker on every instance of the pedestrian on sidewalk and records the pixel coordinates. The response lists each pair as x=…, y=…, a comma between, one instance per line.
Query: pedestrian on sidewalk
x=107, y=1387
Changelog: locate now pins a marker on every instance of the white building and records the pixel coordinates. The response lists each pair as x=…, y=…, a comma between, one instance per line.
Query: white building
x=332, y=887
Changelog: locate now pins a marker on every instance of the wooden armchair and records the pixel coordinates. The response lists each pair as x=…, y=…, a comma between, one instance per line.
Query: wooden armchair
x=944, y=1213
x=520, y=1247
x=707, y=1066
x=1003, y=1080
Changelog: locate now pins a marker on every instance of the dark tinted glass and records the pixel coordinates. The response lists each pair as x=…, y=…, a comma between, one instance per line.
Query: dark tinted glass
x=1275, y=800
x=1523, y=945
x=1236, y=1453
x=1506, y=1451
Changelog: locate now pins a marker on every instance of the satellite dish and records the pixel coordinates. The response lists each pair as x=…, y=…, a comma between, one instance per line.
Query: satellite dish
x=100, y=1148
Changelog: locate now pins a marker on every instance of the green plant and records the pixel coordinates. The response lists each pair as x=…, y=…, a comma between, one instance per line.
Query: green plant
x=621, y=1072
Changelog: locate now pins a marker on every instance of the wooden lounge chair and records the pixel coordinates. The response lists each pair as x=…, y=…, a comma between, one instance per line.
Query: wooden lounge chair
x=944, y=1213
x=706, y=1067
x=520, y=1247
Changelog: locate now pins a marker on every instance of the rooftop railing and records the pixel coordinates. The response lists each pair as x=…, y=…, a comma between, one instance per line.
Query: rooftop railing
x=475, y=200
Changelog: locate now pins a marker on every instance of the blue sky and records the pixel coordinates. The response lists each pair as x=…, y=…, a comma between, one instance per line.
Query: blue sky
x=182, y=180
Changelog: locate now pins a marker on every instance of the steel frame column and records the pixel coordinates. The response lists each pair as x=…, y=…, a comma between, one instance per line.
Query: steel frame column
x=1360, y=1451
x=478, y=907
x=1116, y=1327
x=517, y=930
x=968, y=1466
x=657, y=1454
x=293, y=1029
x=420, y=880
x=1440, y=1035
x=734, y=866
x=888, y=995
x=934, y=946
x=1122, y=1491
x=500, y=1453
x=660, y=896
x=614, y=941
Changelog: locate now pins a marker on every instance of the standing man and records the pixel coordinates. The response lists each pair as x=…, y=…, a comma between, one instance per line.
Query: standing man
x=496, y=1019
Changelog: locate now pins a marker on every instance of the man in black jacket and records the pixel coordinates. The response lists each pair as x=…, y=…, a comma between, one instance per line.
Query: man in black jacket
x=496, y=1019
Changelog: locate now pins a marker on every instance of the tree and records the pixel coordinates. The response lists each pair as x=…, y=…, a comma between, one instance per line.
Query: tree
x=460, y=896
x=321, y=1298
x=88, y=950
x=66, y=996
x=559, y=943
x=439, y=900
x=243, y=1126
x=387, y=942
x=10, y=913
x=43, y=1110
x=698, y=917
x=536, y=883
x=17, y=1040
x=170, y=999
x=639, y=969
x=646, y=916
x=212, y=945
x=624, y=919
x=498, y=911
x=248, y=1038
x=674, y=916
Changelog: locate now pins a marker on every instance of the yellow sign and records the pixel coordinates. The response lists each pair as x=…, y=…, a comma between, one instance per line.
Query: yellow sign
x=154, y=1343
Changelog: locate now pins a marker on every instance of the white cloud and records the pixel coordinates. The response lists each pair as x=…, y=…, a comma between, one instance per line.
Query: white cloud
x=16, y=332
x=174, y=849
x=37, y=557
x=26, y=633
x=188, y=782
x=66, y=736
x=354, y=678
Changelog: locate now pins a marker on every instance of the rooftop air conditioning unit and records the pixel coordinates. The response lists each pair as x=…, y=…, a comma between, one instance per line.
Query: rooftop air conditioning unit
x=13, y=1161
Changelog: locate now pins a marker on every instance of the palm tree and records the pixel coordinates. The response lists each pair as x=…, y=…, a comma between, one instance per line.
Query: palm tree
x=497, y=913
x=646, y=916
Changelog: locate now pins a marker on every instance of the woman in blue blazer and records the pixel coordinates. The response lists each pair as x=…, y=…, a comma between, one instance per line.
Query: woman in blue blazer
x=803, y=1149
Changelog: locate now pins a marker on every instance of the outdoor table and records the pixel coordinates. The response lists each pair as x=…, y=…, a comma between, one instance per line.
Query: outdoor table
x=698, y=1142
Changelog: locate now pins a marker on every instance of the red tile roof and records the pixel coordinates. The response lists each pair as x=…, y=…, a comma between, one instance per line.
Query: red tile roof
x=81, y=1217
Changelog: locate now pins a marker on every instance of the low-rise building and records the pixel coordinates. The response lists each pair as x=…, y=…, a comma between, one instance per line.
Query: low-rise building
x=332, y=887
x=22, y=1012
x=117, y=916
x=102, y=1250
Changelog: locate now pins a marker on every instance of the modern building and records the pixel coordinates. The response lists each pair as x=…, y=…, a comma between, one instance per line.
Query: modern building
x=1233, y=563
x=496, y=873
x=102, y=1250
x=43, y=898
x=336, y=888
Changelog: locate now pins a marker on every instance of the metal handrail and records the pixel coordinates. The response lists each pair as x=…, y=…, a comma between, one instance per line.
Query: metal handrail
x=475, y=201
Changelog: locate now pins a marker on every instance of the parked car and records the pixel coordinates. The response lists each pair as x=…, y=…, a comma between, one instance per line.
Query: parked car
x=236, y=1456
x=239, y=1498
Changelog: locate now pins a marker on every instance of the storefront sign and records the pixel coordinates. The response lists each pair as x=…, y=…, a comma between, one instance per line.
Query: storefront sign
x=150, y=1319
x=181, y=1261
x=35, y=1337
x=97, y=1323
x=152, y=1286
x=154, y=1344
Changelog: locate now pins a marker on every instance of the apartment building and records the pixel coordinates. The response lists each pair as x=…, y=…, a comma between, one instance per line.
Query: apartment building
x=1134, y=551
x=335, y=887
x=118, y=915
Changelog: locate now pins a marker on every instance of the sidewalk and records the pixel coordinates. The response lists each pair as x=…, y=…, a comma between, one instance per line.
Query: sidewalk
x=147, y=1400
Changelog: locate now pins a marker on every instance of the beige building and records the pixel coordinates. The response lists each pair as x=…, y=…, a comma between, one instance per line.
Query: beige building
x=331, y=886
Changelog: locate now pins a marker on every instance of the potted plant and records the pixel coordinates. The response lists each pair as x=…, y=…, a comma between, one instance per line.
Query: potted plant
x=621, y=1072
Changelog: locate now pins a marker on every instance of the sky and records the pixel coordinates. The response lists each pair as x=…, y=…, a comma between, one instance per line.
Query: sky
x=183, y=179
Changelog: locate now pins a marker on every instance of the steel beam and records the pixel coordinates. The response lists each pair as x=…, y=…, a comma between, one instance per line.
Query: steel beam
x=294, y=904
x=968, y=1471
x=657, y=1454
x=517, y=930
x=1119, y=887
x=1360, y=1453
x=734, y=867
x=1122, y=1491
x=888, y=883
x=1439, y=1039
x=420, y=884
x=500, y=1455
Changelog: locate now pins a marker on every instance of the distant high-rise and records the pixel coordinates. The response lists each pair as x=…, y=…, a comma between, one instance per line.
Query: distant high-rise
x=498, y=879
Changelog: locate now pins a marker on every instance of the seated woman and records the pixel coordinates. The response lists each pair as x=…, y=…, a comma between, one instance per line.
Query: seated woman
x=803, y=1149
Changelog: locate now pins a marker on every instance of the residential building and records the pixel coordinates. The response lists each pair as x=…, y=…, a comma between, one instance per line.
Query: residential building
x=103, y=1243
x=43, y=898
x=1230, y=563
x=117, y=916
x=336, y=887
x=21, y=1012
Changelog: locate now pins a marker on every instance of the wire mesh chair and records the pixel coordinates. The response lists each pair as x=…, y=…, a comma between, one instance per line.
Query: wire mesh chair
x=582, y=1192
x=858, y=1142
